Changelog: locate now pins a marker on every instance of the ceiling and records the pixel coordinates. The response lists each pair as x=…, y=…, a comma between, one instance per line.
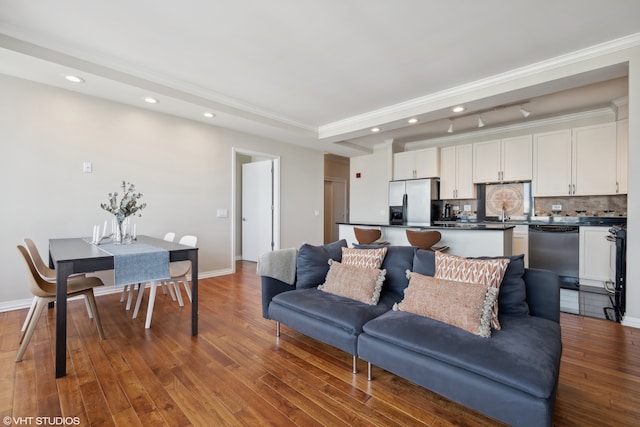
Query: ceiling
x=319, y=73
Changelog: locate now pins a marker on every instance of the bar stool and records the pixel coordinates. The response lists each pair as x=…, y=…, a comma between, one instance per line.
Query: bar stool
x=365, y=236
x=423, y=239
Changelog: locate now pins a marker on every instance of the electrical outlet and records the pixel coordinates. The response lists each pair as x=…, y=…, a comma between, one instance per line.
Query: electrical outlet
x=467, y=208
x=556, y=207
x=456, y=208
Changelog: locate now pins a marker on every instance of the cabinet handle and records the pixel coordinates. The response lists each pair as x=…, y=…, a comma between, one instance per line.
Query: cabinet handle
x=617, y=187
x=569, y=189
x=574, y=189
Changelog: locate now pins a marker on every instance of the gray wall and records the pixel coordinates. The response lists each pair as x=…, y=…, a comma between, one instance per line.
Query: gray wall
x=183, y=168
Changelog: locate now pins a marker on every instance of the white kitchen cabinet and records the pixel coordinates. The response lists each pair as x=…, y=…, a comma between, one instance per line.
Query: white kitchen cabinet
x=521, y=242
x=597, y=256
x=594, y=160
x=575, y=162
x=456, y=172
x=552, y=163
x=417, y=164
x=508, y=159
x=622, y=148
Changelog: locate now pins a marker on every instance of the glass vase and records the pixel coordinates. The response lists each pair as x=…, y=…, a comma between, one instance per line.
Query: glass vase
x=122, y=235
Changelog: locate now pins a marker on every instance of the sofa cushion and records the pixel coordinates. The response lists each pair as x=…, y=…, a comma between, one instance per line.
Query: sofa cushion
x=397, y=261
x=369, y=258
x=488, y=272
x=312, y=263
x=352, y=281
x=424, y=262
x=512, y=300
x=464, y=305
x=524, y=354
x=347, y=314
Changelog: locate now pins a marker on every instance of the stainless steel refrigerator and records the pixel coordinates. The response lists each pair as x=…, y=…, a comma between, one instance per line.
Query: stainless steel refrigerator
x=413, y=201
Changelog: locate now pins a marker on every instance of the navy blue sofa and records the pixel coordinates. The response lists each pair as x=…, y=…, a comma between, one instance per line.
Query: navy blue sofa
x=511, y=376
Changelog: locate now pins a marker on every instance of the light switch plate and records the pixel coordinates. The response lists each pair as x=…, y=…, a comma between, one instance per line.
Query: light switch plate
x=87, y=167
x=556, y=207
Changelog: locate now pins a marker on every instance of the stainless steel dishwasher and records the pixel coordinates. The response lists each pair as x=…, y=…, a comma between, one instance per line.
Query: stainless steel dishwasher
x=556, y=248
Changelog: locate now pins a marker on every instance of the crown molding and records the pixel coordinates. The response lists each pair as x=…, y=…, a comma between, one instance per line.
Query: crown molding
x=443, y=99
x=600, y=112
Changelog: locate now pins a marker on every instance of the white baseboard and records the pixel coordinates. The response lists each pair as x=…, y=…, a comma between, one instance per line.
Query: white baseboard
x=633, y=322
x=103, y=290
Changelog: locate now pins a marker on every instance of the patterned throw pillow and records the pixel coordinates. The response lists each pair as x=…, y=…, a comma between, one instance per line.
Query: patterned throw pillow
x=357, y=283
x=464, y=305
x=488, y=272
x=368, y=258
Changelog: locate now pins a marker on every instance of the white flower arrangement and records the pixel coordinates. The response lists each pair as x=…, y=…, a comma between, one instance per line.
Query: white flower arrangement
x=127, y=206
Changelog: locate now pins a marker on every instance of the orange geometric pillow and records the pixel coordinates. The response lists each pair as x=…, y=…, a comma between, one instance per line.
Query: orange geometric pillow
x=488, y=272
x=464, y=305
x=368, y=258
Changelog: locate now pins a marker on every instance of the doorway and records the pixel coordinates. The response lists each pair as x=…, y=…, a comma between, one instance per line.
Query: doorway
x=335, y=207
x=242, y=157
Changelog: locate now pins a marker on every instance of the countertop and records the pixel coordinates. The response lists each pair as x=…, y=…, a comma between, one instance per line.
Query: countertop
x=494, y=224
x=444, y=226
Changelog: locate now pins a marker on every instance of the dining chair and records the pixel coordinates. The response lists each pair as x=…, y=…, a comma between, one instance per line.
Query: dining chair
x=423, y=239
x=127, y=291
x=364, y=236
x=45, y=292
x=47, y=274
x=178, y=273
x=179, y=270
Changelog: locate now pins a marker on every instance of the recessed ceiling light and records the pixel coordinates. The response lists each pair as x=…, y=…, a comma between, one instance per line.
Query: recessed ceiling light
x=375, y=129
x=208, y=115
x=151, y=100
x=74, y=79
x=413, y=120
x=458, y=109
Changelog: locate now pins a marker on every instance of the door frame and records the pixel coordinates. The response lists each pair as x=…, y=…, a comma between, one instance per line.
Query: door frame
x=235, y=188
x=333, y=180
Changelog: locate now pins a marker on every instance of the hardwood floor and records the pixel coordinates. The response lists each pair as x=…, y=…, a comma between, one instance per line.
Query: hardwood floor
x=236, y=372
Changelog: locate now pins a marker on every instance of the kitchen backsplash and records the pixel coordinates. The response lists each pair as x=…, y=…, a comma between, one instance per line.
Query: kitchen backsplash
x=513, y=199
x=606, y=206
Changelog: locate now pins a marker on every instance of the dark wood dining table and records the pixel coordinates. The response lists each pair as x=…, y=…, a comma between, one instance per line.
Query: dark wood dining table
x=76, y=255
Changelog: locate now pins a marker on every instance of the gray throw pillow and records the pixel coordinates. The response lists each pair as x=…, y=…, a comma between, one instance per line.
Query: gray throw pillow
x=312, y=263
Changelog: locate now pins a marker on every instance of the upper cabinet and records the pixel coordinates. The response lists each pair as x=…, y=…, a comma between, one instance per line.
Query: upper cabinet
x=456, y=176
x=576, y=162
x=622, y=142
x=508, y=159
x=417, y=164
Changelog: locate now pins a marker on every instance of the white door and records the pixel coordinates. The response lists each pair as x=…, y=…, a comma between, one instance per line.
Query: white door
x=257, y=213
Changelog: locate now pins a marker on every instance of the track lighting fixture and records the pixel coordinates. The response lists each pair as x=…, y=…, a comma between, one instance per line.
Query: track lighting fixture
x=480, y=122
x=524, y=112
x=450, y=130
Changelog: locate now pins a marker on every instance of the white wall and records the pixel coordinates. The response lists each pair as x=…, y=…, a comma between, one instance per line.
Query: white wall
x=182, y=167
x=369, y=194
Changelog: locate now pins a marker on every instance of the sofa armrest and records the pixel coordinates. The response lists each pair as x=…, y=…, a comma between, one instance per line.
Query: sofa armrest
x=270, y=288
x=543, y=293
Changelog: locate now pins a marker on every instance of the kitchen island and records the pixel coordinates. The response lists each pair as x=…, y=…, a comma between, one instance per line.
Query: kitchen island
x=463, y=239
